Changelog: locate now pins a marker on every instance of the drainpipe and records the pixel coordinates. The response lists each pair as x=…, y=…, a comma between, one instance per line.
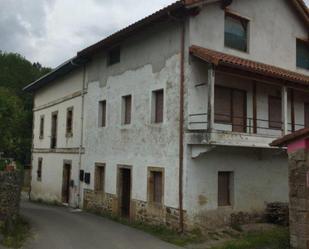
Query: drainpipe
x=181, y=124
x=81, y=136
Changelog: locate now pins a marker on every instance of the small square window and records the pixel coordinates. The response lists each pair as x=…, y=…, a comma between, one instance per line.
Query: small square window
x=42, y=127
x=158, y=106
x=236, y=32
x=69, y=124
x=126, y=109
x=39, y=170
x=113, y=56
x=102, y=113
x=302, y=54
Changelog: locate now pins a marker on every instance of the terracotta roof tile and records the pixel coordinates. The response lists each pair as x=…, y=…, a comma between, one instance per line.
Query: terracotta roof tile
x=218, y=58
x=283, y=141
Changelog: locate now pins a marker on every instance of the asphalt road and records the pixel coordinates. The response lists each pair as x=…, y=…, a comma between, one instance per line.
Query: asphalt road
x=62, y=228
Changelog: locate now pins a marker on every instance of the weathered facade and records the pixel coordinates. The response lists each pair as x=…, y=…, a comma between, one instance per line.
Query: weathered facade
x=142, y=129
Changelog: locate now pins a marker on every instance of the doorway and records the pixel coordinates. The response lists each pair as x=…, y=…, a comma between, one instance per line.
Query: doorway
x=66, y=183
x=124, y=191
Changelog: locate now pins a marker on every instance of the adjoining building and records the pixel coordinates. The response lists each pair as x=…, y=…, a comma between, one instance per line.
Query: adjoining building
x=169, y=120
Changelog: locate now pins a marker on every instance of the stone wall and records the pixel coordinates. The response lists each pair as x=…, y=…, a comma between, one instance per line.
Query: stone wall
x=105, y=203
x=10, y=188
x=299, y=199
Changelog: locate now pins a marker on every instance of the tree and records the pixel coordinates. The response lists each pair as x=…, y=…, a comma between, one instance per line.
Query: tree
x=16, y=106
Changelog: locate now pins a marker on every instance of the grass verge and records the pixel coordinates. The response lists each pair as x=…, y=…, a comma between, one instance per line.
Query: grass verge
x=17, y=234
x=277, y=238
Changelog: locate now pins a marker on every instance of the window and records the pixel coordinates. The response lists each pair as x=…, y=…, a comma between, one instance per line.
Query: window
x=236, y=32
x=231, y=108
x=155, y=185
x=54, y=124
x=99, y=179
x=102, y=113
x=223, y=109
x=302, y=54
x=69, y=126
x=113, y=56
x=275, y=112
x=126, y=109
x=224, y=188
x=158, y=106
x=42, y=127
x=39, y=171
x=306, y=115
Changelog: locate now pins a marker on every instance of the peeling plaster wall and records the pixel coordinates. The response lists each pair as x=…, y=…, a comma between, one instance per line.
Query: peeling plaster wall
x=274, y=27
x=149, y=61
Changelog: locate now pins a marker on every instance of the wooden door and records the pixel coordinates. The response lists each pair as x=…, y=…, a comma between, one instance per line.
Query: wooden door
x=239, y=116
x=66, y=183
x=306, y=115
x=125, y=178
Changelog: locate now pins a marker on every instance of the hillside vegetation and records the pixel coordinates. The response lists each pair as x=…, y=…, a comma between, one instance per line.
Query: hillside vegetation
x=16, y=106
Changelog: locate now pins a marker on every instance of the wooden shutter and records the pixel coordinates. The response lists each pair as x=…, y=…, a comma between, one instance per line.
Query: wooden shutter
x=223, y=106
x=157, y=187
x=307, y=115
x=275, y=112
x=224, y=189
x=99, y=178
x=239, y=118
x=128, y=109
x=159, y=106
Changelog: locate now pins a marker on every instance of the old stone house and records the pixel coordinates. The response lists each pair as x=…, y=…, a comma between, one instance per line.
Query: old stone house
x=169, y=120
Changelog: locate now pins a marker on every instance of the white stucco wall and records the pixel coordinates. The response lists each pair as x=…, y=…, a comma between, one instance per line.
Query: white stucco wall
x=50, y=187
x=260, y=176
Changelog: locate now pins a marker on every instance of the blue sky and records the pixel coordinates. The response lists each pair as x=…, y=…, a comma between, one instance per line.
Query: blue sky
x=51, y=31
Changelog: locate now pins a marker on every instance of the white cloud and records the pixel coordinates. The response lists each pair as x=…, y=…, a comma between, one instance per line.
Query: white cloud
x=51, y=31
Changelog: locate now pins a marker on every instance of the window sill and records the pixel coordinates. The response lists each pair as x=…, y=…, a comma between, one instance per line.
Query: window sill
x=41, y=137
x=247, y=52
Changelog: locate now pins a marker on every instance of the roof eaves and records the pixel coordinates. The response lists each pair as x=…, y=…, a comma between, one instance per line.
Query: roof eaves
x=61, y=70
x=285, y=140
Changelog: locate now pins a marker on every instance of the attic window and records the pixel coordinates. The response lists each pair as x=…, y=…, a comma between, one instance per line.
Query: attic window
x=302, y=54
x=236, y=32
x=113, y=56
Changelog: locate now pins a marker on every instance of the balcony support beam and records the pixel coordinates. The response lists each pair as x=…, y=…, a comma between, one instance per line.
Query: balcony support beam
x=284, y=110
x=211, y=98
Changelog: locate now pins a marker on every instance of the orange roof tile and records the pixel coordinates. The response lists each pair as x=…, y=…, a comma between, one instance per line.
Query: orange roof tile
x=285, y=140
x=218, y=58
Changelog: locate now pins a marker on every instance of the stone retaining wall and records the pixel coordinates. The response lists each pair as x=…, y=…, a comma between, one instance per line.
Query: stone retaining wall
x=10, y=189
x=299, y=199
x=140, y=211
